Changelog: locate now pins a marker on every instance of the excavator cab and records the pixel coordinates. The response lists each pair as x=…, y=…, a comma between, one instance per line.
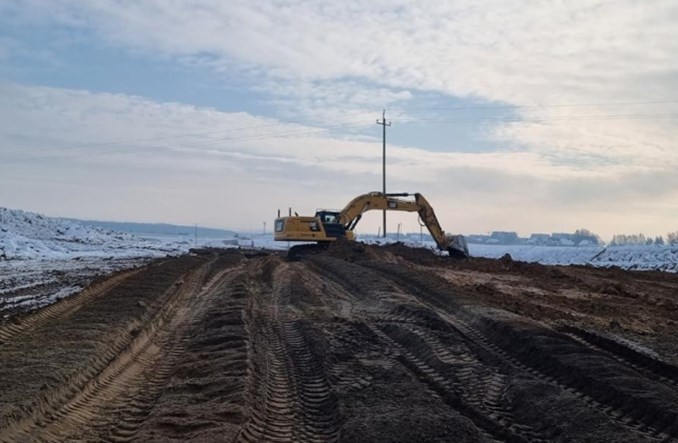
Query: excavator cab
x=330, y=222
x=324, y=227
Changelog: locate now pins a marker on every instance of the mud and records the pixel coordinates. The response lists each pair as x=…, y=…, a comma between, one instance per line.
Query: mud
x=360, y=343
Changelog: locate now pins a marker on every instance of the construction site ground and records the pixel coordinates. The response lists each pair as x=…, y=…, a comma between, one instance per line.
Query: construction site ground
x=357, y=344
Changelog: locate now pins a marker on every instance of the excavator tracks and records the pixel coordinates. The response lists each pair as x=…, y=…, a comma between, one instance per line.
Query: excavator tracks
x=234, y=346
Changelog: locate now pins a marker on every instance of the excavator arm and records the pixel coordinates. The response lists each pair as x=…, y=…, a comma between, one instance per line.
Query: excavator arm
x=352, y=213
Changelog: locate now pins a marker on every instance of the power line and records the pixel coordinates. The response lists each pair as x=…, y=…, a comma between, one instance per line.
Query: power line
x=543, y=119
x=546, y=105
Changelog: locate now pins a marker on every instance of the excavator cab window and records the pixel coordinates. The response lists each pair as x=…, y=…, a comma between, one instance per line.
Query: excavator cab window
x=331, y=223
x=279, y=224
x=328, y=217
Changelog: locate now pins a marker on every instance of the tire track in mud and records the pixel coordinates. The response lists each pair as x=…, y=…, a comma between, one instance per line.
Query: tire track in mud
x=417, y=358
x=632, y=414
x=468, y=386
x=79, y=402
x=464, y=378
x=290, y=397
x=133, y=408
x=647, y=365
x=478, y=386
x=319, y=415
x=646, y=420
x=63, y=308
x=345, y=373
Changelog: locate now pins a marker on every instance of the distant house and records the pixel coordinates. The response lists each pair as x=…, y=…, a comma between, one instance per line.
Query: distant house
x=581, y=237
x=563, y=239
x=477, y=238
x=539, y=239
x=504, y=237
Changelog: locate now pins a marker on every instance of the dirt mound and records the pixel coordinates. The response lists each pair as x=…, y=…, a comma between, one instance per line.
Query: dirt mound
x=421, y=256
x=352, y=251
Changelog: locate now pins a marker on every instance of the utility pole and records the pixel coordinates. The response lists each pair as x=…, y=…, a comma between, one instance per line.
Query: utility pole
x=264, y=228
x=384, y=124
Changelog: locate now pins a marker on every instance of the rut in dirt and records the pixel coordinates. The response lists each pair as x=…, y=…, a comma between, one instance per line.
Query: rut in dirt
x=290, y=396
x=518, y=358
x=85, y=398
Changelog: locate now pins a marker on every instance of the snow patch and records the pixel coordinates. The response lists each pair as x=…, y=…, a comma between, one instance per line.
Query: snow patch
x=33, y=302
x=30, y=236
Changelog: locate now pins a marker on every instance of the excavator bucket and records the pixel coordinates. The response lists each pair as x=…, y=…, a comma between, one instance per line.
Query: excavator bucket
x=457, y=246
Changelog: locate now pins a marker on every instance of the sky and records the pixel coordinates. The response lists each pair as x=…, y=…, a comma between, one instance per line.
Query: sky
x=527, y=116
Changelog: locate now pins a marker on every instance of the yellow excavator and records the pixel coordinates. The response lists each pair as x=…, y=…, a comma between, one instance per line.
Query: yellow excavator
x=328, y=226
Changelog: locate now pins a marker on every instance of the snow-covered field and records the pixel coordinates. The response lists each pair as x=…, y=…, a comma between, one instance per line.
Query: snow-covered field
x=30, y=236
x=640, y=257
x=44, y=259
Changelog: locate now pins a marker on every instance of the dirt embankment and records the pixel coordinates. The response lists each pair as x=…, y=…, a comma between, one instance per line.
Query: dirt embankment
x=374, y=344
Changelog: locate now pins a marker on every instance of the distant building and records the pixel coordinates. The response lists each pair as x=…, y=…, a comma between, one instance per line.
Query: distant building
x=563, y=239
x=539, y=239
x=477, y=238
x=504, y=237
x=579, y=238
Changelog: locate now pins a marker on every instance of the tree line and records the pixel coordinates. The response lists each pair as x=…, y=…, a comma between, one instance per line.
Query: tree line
x=641, y=239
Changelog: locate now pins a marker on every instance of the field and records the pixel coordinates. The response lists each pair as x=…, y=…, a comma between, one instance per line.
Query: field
x=362, y=343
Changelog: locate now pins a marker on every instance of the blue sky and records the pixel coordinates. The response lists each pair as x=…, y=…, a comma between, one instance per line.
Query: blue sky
x=529, y=116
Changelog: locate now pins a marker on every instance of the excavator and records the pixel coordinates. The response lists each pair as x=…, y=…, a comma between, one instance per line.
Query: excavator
x=328, y=226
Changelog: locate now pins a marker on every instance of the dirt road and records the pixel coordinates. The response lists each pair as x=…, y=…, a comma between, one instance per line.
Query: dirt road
x=357, y=344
